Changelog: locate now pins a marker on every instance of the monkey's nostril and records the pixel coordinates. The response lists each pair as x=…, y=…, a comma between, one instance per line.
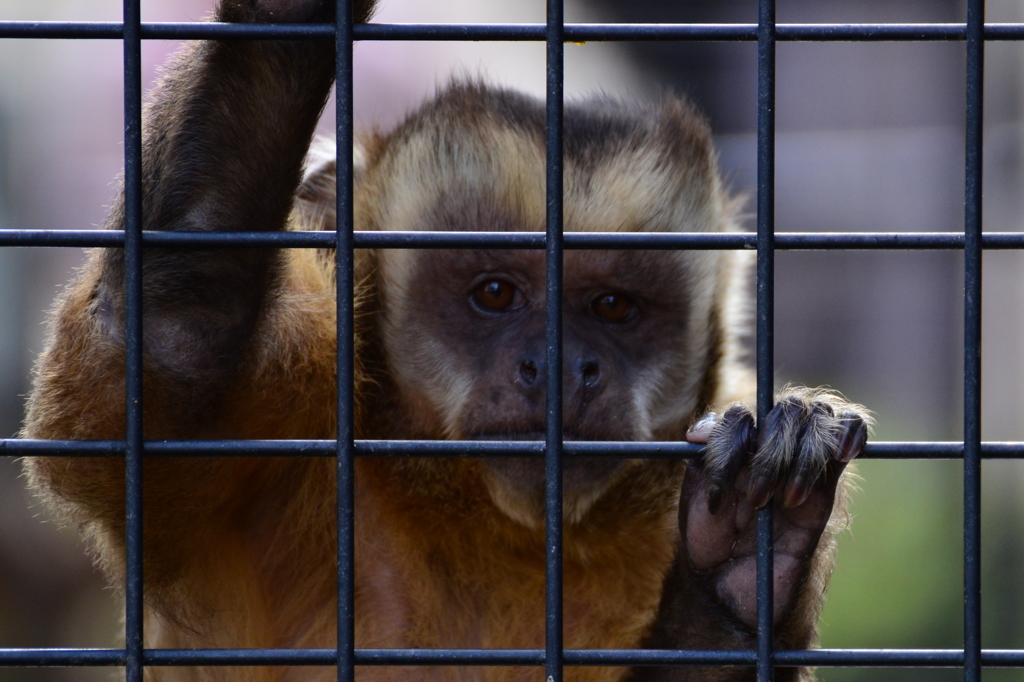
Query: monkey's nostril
x=528, y=371
x=590, y=374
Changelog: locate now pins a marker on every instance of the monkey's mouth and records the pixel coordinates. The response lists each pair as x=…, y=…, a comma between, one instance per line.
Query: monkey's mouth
x=527, y=473
x=517, y=483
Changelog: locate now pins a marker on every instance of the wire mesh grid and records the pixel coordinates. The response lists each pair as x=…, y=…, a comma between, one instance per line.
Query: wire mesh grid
x=766, y=33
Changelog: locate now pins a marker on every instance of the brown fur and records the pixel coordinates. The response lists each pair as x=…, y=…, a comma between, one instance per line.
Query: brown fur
x=240, y=552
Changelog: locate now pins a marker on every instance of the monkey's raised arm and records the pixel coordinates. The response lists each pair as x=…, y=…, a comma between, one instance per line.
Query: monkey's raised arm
x=225, y=134
x=225, y=137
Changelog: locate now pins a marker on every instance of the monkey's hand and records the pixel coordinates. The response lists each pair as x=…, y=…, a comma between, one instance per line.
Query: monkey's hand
x=793, y=460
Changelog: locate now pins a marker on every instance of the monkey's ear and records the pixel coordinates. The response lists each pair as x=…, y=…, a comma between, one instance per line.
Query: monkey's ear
x=320, y=160
x=316, y=195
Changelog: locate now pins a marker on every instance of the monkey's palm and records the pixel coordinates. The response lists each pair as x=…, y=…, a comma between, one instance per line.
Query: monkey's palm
x=796, y=458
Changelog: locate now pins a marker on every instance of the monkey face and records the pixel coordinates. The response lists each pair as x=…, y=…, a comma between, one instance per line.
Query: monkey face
x=464, y=331
x=467, y=346
x=472, y=341
x=472, y=346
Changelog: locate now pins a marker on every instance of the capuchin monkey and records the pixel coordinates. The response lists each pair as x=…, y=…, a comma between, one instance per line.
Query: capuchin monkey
x=240, y=343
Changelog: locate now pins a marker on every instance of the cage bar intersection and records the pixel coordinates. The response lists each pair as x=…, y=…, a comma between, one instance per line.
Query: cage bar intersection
x=553, y=657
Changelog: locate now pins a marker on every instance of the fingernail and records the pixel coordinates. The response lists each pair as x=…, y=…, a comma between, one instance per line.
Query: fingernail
x=759, y=491
x=853, y=440
x=796, y=492
x=713, y=495
x=699, y=432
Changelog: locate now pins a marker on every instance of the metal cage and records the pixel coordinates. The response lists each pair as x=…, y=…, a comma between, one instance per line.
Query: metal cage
x=766, y=33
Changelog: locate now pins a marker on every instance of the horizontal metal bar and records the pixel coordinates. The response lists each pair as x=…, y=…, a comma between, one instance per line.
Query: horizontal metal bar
x=13, y=447
x=18, y=447
x=62, y=657
x=328, y=657
x=508, y=32
x=876, y=658
x=791, y=241
x=78, y=30
x=897, y=658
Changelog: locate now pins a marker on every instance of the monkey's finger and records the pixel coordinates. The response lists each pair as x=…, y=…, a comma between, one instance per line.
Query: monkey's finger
x=778, y=439
x=701, y=429
x=819, y=445
x=730, y=446
x=854, y=436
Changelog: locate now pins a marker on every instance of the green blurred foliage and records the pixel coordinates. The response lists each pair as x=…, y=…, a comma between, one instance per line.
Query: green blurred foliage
x=899, y=577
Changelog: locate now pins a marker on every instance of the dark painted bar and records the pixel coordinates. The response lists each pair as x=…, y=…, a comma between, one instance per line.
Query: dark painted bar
x=765, y=340
x=859, y=658
x=81, y=30
x=16, y=447
x=133, y=590
x=787, y=241
x=972, y=339
x=345, y=302
x=553, y=393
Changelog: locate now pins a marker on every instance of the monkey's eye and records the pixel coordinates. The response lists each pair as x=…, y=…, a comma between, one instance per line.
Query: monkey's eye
x=615, y=308
x=495, y=295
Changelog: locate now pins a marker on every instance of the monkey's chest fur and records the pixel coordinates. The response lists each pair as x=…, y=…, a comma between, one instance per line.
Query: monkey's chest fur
x=464, y=575
x=439, y=565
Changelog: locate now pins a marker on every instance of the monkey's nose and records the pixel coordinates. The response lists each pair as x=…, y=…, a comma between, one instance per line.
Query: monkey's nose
x=589, y=373
x=528, y=373
x=586, y=374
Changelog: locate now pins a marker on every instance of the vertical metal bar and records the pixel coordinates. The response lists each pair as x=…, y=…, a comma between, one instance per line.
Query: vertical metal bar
x=972, y=340
x=765, y=315
x=553, y=427
x=344, y=278
x=132, y=45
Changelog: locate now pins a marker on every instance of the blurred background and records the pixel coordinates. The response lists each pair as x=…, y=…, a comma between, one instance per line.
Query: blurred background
x=870, y=138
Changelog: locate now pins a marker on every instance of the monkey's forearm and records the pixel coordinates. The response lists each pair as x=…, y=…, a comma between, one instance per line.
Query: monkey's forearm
x=225, y=136
x=224, y=139
x=689, y=619
x=686, y=619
